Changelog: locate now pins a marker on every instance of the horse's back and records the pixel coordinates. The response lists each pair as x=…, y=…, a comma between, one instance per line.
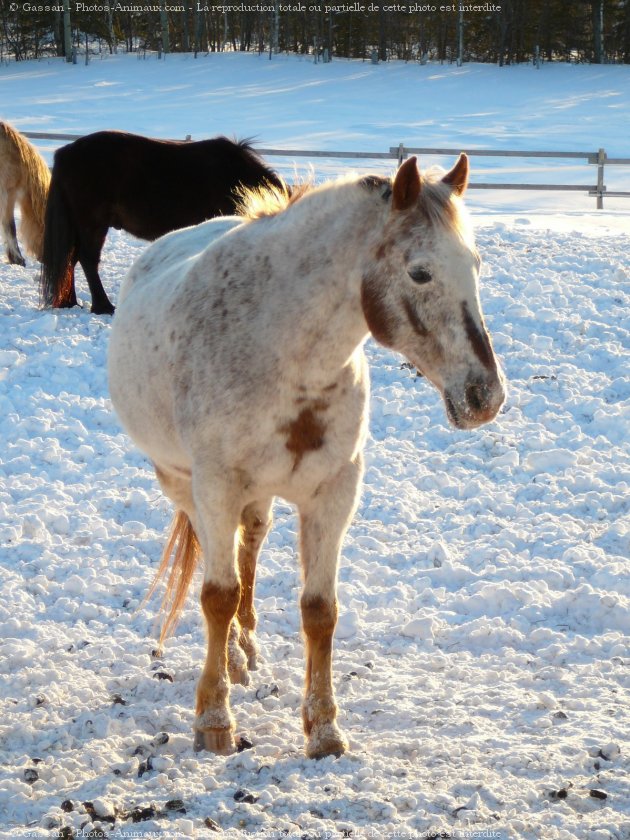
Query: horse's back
x=151, y=186
x=168, y=259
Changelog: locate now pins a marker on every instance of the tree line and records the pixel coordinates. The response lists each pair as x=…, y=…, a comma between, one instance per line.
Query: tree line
x=506, y=32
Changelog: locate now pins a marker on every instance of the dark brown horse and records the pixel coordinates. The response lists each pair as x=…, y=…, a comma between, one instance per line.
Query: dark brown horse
x=144, y=186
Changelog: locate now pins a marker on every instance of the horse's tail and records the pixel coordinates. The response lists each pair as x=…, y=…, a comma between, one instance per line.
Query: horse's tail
x=33, y=199
x=60, y=242
x=183, y=542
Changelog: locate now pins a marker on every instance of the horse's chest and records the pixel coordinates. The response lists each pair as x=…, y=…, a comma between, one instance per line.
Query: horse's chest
x=307, y=438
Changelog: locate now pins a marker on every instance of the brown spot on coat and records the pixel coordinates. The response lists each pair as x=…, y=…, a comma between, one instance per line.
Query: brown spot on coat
x=382, y=324
x=219, y=603
x=319, y=617
x=305, y=433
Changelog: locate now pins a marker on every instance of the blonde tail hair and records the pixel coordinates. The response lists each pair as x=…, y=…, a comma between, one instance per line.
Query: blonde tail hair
x=183, y=544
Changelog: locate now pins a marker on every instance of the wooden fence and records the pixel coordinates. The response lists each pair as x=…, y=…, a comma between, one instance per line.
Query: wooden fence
x=599, y=159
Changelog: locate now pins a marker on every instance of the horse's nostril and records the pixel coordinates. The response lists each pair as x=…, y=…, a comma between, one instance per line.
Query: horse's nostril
x=474, y=397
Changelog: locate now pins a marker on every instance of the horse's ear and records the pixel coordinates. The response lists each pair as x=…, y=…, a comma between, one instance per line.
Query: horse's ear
x=406, y=187
x=457, y=178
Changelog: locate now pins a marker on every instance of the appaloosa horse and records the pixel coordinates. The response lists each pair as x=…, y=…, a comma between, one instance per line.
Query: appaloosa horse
x=237, y=365
x=144, y=186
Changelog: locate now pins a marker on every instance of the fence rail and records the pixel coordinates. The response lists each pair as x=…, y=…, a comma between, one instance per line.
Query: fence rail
x=399, y=153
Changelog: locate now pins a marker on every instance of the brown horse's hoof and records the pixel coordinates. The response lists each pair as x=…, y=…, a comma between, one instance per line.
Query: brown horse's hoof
x=218, y=741
x=104, y=309
x=325, y=739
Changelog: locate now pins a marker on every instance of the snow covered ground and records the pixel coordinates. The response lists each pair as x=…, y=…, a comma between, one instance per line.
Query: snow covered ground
x=482, y=653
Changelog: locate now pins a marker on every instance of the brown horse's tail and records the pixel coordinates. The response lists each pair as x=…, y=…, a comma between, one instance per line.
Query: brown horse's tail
x=33, y=200
x=183, y=541
x=60, y=243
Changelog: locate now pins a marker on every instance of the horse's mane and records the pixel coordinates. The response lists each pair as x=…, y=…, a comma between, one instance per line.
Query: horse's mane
x=437, y=201
x=269, y=200
x=439, y=204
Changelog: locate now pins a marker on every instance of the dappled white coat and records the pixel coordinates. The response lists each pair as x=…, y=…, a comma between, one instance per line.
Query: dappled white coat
x=237, y=366
x=229, y=345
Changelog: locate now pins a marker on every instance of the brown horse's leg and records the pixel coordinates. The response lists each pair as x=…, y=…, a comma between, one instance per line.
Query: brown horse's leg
x=255, y=524
x=214, y=726
x=9, y=234
x=324, y=520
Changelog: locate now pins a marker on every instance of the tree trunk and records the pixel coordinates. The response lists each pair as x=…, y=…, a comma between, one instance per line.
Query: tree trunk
x=598, y=31
x=67, y=31
x=166, y=43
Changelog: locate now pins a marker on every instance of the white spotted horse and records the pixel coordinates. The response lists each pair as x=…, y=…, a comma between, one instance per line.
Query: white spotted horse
x=237, y=365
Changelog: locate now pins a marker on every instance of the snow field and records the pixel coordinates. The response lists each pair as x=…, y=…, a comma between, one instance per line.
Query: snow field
x=481, y=662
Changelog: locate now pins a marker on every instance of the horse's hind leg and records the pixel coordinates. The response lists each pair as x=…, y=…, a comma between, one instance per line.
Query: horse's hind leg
x=255, y=524
x=323, y=523
x=9, y=233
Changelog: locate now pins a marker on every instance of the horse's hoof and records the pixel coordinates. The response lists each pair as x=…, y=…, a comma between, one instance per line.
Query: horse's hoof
x=325, y=739
x=238, y=676
x=219, y=741
x=103, y=310
x=17, y=260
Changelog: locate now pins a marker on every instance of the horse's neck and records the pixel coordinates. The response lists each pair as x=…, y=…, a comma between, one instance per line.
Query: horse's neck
x=343, y=215
x=336, y=234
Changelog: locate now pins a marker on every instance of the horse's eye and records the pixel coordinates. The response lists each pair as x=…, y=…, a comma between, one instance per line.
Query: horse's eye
x=420, y=275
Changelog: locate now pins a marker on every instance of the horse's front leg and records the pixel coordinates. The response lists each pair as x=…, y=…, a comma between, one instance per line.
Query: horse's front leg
x=323, y=523
x=214, y=726
x=220, y=594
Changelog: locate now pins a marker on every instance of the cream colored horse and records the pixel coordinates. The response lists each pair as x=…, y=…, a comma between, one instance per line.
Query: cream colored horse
x=24, y=179
x=237, y=365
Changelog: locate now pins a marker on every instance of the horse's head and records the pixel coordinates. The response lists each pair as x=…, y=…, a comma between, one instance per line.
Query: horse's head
x=420, y=296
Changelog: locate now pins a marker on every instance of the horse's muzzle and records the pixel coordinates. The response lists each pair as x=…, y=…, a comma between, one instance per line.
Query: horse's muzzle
x=476, y=403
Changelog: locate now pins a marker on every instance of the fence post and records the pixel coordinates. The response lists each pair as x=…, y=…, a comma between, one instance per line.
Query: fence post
x=601, y=160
